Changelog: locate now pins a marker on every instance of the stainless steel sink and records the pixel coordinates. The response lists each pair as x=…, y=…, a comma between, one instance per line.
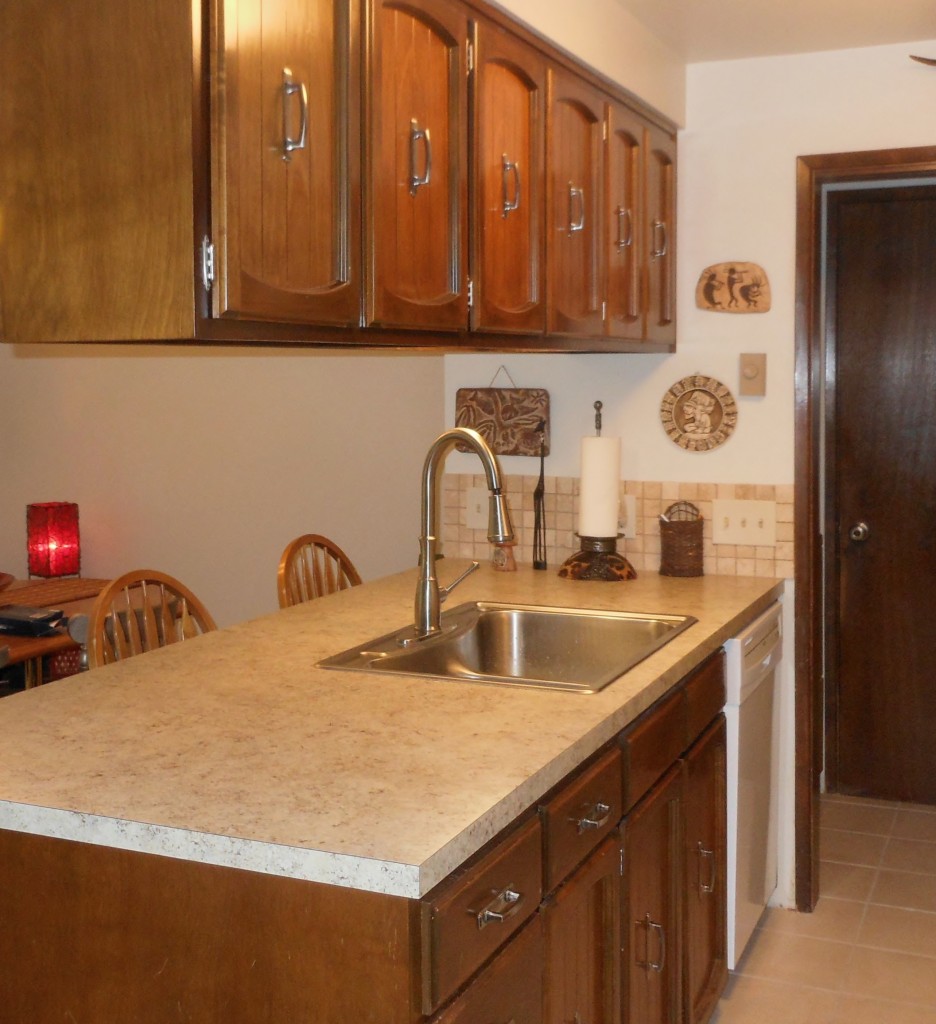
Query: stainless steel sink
x=520, y=645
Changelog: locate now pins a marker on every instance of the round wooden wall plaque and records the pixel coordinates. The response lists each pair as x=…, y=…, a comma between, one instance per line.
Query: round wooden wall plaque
x=698, y=413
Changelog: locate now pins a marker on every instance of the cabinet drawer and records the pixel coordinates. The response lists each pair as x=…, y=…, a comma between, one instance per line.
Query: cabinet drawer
x=581, y=815
x=705, y=694
x=651, y=745
x=467, y=918
x=510, y=988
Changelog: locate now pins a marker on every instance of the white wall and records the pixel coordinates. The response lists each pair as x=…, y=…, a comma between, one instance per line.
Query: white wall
x=204, y=462
x=747, y=121
x=607, y=37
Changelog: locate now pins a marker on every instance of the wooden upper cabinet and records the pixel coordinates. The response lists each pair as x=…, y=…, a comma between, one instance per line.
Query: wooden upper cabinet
x=286, y=161
x=417, y=164
x=574, y=205
x=660, y=226
x=508, y=205
x=624, y=219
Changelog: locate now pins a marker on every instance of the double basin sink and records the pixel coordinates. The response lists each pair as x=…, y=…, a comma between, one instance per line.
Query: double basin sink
x=582, y=650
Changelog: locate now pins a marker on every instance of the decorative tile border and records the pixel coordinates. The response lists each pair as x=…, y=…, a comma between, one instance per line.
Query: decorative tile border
x=561, y=501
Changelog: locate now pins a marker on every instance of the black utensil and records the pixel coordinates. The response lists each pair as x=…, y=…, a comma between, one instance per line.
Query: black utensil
x=539, y=505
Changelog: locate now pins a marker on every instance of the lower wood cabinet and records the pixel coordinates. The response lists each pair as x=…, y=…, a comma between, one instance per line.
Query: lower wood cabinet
x=603, y=904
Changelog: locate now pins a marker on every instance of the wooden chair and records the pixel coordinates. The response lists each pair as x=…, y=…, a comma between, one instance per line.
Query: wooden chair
x=140, y=611
x=313, y=566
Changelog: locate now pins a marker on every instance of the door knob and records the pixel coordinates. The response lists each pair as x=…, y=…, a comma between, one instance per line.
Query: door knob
x=859, y=533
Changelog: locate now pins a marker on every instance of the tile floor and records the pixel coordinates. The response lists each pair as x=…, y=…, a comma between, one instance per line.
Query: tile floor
x=867, y=954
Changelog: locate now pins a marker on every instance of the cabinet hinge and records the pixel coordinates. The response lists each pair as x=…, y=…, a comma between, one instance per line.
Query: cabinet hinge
x=470, y=293
x=469, y=55
x=207, y=263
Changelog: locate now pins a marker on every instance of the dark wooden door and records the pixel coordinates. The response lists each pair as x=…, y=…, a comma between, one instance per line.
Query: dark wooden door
x=660, y=237
x=705, y=948
x=624, y=216
x=509, y=184
x=881, y=527
x=574, y=203
x=583, y=947
x=417, y=174
x=651, y=906
x=286, y=174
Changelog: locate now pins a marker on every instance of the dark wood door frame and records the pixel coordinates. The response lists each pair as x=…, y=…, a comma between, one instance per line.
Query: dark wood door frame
x=813, y=175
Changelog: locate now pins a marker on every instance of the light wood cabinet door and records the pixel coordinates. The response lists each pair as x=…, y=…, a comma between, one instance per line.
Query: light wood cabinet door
x=583, y=960
x=660, y=227
x=624, y=220
x=286, y=170
x=705, y=945
x=417, y=164
x=574, y=205
x=651, y=905
x=508, y=243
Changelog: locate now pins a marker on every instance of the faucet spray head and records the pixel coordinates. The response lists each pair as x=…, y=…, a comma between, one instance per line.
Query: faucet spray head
x=500, y=529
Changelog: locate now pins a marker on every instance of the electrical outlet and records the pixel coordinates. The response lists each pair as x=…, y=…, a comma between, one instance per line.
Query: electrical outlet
x=627, y=523
x=476, y=508
x=743, y=521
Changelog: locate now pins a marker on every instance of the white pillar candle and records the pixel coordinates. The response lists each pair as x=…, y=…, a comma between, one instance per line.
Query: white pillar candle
x=598, y=486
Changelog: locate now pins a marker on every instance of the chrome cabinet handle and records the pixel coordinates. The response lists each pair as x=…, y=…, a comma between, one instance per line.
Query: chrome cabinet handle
x=649, y=925
x=859, y=533
x=291, y=88
x=624, y=217
x=418, y=135
x=659, y=232
x=709, y=857
x=576, y=198
x=596, y=817
x=510, y=168
x=505, y=904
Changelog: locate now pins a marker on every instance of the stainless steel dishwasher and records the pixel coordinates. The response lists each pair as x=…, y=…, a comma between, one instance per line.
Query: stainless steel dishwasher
x=751, y=711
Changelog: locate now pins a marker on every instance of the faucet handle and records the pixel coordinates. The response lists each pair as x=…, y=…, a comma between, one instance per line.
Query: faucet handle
x=445, y=591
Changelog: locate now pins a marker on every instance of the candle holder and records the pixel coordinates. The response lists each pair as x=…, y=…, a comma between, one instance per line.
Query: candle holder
x=598, y=560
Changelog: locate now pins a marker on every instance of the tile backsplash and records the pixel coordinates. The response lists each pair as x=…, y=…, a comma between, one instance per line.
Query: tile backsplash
x=643, y=552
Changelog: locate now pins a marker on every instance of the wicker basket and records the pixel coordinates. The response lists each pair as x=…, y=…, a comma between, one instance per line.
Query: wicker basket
x=681, y=540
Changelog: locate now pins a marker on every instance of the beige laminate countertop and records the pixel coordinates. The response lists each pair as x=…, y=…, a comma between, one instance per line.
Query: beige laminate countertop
x=234, y=749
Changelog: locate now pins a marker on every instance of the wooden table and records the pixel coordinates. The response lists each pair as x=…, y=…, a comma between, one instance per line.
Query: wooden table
x=67, y=593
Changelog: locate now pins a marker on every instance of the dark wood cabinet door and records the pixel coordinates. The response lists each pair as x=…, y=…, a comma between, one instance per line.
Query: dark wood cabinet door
x=508, y=205
x=574, y=204
x=624, y=219
x=705, y=939
x=286, y=173
x=652, y=907
x=583, y=942
x=660, y=243
x=417, y=173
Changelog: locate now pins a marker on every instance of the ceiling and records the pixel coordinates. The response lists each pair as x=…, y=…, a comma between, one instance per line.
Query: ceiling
x=703, y=30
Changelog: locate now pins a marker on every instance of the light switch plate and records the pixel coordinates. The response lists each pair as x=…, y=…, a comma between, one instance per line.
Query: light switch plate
x=627, y=520
x=476, y=508
x=741, y=521
x=752, y=373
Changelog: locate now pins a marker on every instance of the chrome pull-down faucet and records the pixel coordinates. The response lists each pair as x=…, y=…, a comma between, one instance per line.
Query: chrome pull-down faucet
x=429, y=595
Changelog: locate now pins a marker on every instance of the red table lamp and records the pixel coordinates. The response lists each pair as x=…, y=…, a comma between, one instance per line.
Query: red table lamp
x=52, y=539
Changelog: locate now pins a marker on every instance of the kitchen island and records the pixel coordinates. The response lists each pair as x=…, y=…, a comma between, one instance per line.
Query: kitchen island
x=216, y=782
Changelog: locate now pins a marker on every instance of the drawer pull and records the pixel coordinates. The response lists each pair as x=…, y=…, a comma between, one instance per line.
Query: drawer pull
x=505, y=904
x=595, y=818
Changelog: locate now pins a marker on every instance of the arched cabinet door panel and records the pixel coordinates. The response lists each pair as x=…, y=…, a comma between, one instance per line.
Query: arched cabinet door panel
x=286, y=161
x=508, y=243
x=417, y=165
x=575, y=204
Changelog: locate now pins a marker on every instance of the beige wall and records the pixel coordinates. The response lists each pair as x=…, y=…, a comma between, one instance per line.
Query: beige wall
x=204, y=463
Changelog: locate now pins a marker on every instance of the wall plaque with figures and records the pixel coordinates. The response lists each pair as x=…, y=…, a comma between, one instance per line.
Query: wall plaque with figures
x=733, y=288
x=698, y=413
